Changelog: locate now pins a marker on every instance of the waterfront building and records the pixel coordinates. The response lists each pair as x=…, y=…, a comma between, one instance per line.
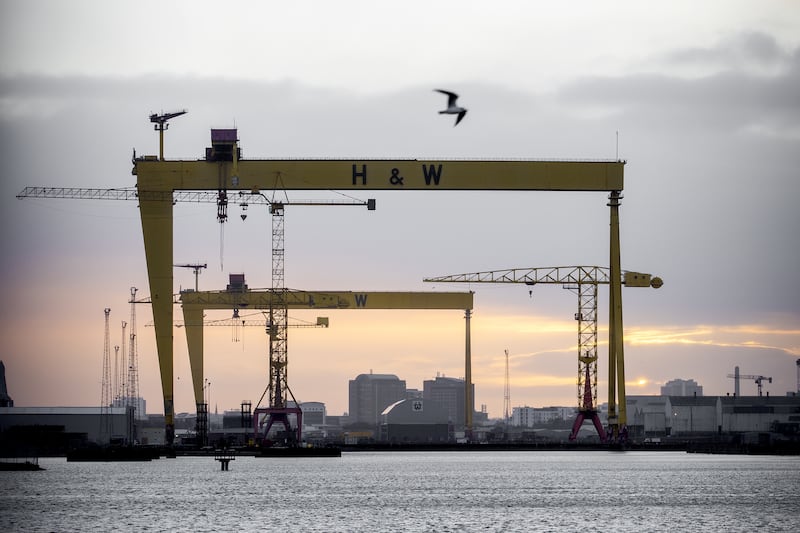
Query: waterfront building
x=697, y=416
x=313, y=413
x=5, y=399
x=415, y=421
x=536, y=416
x=413, y=393
x=681, y=387
x=139, y=403
x=450, y=393
x=371, y=393
x=72, y=425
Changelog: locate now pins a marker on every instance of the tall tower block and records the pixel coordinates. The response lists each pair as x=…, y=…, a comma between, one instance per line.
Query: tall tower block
x=6, y=401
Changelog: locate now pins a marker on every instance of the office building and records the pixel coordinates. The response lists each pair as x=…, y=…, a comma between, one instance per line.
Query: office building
x=681, y=387
x=371, y=393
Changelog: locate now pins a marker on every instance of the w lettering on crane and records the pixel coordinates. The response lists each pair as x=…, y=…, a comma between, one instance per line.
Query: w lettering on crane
x=432, y=173
x=361, y=300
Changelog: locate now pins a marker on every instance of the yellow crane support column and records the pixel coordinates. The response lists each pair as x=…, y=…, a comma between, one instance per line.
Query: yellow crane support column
x=468, y=401
x=193, y=321
x=157, y=231
x=617, y=418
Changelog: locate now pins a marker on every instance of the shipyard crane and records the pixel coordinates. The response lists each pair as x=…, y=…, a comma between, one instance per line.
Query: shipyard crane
x=196, y=267
x=757, y=378
x=160, y=124
x=582, y=280
x=222, y=170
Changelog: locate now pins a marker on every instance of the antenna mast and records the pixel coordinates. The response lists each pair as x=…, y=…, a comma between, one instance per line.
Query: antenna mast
x=507, y=398
x=133, y=364
x=105, y=393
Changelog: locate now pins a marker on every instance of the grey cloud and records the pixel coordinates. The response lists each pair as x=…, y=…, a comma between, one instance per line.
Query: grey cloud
x=731, y=99
x=740, y=50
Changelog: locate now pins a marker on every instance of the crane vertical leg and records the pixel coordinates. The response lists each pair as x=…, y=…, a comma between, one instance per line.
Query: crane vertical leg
x=157, y=232
x=468, y=401
x=617, y=416
x=193, y=321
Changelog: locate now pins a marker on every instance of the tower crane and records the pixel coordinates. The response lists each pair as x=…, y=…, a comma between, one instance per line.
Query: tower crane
x=161, y=125
x=582, y=280
x=758, y=380
x=196, y=267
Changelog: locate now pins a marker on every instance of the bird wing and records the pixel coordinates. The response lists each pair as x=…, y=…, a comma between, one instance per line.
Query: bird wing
x=451, y=97
x=460, y=116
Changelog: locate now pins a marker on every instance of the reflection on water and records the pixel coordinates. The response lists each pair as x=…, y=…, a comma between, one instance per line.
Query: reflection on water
x=411, y=491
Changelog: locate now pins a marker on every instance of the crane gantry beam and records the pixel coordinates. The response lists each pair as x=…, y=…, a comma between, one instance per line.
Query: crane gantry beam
x=196, y=303
x=583, y=280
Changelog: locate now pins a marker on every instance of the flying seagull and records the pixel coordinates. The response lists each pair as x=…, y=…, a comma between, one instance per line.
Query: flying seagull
x=452, y=108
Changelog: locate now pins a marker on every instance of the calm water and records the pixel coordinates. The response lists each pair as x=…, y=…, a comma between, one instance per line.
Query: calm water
x=411, y=491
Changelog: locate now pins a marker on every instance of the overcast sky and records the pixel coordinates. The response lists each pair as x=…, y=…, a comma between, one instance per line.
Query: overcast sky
x=700, y=99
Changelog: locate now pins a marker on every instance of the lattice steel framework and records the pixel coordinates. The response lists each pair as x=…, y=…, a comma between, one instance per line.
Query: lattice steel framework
x=278, y=344
x=586, y=318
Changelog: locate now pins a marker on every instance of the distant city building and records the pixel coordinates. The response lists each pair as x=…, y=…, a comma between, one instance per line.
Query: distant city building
x=139, y=403
x=413, y=393
x=92, y=424
x=5, y=399
x=450, y=393
x=534, y=416
x=416, y=420
x=235, y=418
x=370, y=394
x=681, y=387
x=692, y=416
x=313, y=413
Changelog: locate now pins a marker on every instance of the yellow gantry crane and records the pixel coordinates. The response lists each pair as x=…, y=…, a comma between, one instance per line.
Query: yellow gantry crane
x=582, y=280
x=162, y=182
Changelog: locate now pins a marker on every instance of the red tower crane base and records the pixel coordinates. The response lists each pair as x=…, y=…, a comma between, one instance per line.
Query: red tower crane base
x=587, y=411
x=271, y=415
